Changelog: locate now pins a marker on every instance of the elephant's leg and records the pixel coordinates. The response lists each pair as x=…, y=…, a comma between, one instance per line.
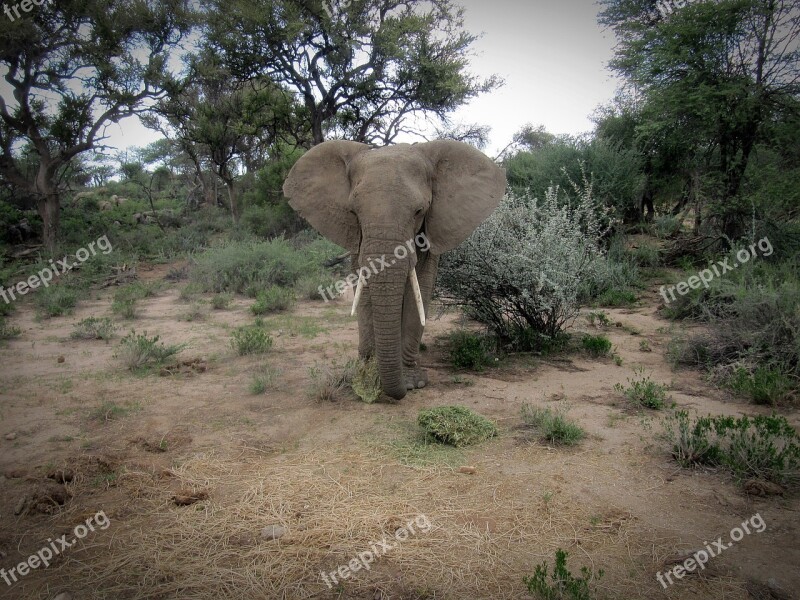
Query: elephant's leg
x=427, y=267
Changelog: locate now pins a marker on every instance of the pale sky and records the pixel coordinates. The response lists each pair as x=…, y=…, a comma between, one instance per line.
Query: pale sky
x=551, y=53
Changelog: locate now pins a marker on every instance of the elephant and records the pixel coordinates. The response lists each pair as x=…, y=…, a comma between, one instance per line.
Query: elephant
x=375, y=201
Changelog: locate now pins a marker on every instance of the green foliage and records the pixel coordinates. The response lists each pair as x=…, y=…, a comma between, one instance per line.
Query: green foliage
x=264, y=380
x=273, y=299
x=596, y=345
x=456, y=425
x=272, y=220
x=471, y=351
x=763, y=386
x=93, y=328
x=564, y=586
x=761, y=447
x=617, y=298
x=110, y=411
x=139, y=351
x=250, y=339
x=7, y=332
x=366, y=381
x=642, y=391
x=56, y=300
x=552, y=426
x=308, y=286
x=599, y=317
x=221, y=301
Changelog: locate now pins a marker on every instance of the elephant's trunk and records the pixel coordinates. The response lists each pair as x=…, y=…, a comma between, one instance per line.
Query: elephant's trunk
x=386, y=291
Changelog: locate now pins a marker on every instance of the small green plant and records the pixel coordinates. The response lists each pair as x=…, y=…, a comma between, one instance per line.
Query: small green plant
x=644, y=346
x=644, y=392
x=264, y=380
x=273, y=299
x=109, y=411
x=7, y=332
x=140, y=351
x=366, y=381
x=617, y=360
x=761, y=447
x=456, y=425
x=470, y=350
x=93, y=328
x=329, y=382
x=564, y=586
x=56, y=301
x=598, y=318
x=552, y=426
x=250, y=339
x=195, y=313
x=221, y=301
x=763, y=386
x=596, y=345
x=615, y=298
x=125, y=308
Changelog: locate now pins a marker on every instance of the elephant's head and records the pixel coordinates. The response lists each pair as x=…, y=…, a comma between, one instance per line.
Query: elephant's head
x=372, y=201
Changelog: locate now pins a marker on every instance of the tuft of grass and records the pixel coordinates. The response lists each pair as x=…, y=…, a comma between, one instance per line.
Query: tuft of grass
x=109, y=411
x=471, y=351
x=273, y=299
x=456, y=425
x=564, y=586
x=308, y=286
x=221, y=301
x=761, y=447
x=596, y=345
x=56, y=301
x=644, y=392
x=366, y=381
x=598, y=318
x=7, y=332
x=250, y=339
x=615, y=298
x=94, y=328
x=552, y=426
x=763, y=386
x=139, y=351
x=264, y=380
x=328, y=383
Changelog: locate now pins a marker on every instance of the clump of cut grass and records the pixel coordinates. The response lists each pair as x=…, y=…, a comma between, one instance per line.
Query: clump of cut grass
x=552, y=426
x=596, y=345
x=250, y=339
x=366, y=381
x=456, y=425
x=642, y=391
x=329, y=382
x=761, y=447
x=94, y=328
x=139, y=351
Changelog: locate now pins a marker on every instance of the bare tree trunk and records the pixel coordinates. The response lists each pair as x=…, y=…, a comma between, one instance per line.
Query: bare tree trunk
x=48, y=206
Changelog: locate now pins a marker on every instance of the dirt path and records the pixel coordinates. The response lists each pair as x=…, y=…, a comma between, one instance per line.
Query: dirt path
x=339, y=477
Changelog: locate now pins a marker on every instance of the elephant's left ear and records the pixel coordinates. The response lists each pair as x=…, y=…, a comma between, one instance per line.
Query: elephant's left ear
x=467, y=187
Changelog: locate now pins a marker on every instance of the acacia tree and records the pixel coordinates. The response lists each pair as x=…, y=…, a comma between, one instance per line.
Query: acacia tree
x=74, y=67
x=362, y=69
x=713, y=73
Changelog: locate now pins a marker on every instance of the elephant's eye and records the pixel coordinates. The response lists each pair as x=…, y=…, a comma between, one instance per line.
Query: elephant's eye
x=419, y=212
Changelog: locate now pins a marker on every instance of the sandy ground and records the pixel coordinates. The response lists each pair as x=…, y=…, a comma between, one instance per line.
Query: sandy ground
x=339, y=477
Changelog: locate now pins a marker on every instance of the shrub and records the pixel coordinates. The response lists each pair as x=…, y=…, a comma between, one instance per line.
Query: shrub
x=552, y=425
x=456, y=425
x=645, y=392
x=763, y=386
x=366, y=381
x=273, y=299
x=56, y=300
x=140, y=351
x=125, y=298
x=93, y=329
x=308, y=286
x=762, y=447
x=221, y=301
x=616, y=298
x=565, y=585
x=272, y=220
x=524, y=267
x=250, y=339
x=470, y=350
x=596, y=345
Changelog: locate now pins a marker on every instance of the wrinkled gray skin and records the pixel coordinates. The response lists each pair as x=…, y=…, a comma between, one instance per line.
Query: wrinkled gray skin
x=371, y=201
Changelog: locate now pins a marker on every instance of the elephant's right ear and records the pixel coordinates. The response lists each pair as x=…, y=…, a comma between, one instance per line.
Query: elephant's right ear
x=318, y=188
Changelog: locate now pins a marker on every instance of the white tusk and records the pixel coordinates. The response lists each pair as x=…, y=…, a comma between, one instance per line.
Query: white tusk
x=359, y=289
x=417, y=296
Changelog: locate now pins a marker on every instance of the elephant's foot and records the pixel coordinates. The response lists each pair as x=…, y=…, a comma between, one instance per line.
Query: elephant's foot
x=416, y=377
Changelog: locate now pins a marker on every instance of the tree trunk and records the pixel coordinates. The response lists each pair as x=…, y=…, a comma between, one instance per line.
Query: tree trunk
x=48, y=206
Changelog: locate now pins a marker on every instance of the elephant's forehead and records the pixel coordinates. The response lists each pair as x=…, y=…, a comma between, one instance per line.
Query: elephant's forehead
x=399, y=159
